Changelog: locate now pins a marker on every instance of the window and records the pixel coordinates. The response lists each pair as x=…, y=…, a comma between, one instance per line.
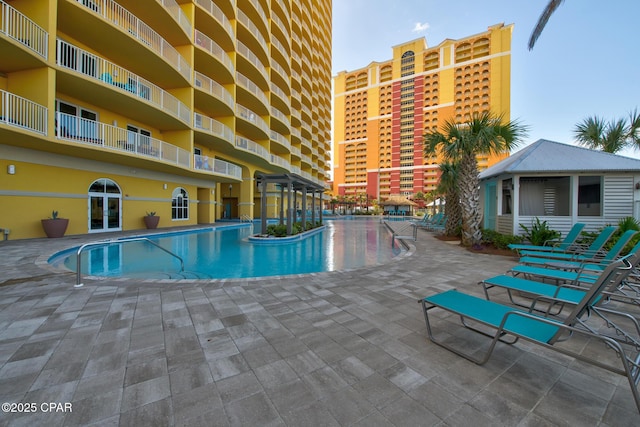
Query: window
x=590, y=196
x=544, y=196
x=77, y=123
x=180, y=204
x=507, y=200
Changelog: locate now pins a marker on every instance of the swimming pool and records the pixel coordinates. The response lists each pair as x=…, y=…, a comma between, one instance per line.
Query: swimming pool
x=224, y=252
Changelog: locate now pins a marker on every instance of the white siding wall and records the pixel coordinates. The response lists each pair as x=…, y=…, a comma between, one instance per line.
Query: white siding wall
x=618, y=197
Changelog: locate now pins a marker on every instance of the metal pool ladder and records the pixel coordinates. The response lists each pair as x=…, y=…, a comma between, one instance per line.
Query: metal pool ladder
x=108, y=242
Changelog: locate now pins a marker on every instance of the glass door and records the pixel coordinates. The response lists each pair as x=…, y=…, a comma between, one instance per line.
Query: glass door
x=105, y=206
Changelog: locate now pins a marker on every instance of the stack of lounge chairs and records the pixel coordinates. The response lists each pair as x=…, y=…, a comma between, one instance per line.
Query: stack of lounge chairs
x=557, y=294
x=436, y=222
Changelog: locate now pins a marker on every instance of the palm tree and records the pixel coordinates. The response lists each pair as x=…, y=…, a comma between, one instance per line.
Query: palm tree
x=542, y=21
x=611, y=137
x=484, y=133
x=449, y=186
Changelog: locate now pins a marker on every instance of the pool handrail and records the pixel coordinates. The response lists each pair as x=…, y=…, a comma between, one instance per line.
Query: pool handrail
x=108, y=242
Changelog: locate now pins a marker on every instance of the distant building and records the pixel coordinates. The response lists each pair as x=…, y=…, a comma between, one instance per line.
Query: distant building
x=382, y=111
x=112, y=109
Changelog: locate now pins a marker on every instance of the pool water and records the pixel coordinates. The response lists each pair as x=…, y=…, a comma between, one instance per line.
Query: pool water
x=225, y=252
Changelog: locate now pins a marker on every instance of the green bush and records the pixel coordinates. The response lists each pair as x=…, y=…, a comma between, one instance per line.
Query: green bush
x=499, y=240
x=539, y=233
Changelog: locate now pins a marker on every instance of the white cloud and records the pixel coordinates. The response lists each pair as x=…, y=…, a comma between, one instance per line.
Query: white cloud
x=420, y=27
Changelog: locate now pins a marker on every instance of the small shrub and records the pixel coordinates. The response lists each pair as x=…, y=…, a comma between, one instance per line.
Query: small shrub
x=499, y=240
x=539, y=233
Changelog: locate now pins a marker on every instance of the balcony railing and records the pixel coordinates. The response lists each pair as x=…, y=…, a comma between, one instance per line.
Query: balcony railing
x=212, y=126
x=23, y=113
x=23, y=30
x=280, y=139
x=217, y=13
x=89, y=132
x=214, y=88
x=214, y=49
x=277, y=160
x=178, y=15
x=204, y=163
x=251, y=57
x=249, y=146
x=280, y=116
x=81, y=61
x=252, y=87
x=122, y=18
x=244, y=20
x=252, y=117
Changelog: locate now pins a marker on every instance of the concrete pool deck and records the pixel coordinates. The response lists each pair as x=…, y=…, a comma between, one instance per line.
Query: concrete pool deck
x=344, y=348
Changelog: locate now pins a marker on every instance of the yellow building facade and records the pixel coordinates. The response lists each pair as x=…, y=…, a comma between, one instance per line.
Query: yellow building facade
x=110, y=110
x=382, y=111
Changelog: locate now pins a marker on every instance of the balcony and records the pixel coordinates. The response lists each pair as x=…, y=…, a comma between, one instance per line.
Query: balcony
x=282, y=141
x=80, y=61
x=222, y=68
x=30, y=42
x=250, y=87
x=249, y=146
x=250, y=65
x=251, y=117
x=117, y=47
x=219, y=17
x=166, y=16
x=251, y=28
x=213, y=127
x=206, y=85
x=100, y=135
x=217, y=166
x=20, y=112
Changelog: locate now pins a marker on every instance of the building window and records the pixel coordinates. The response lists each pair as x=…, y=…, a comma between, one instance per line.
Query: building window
x=545, y=196
x=180, y=204
x=590, y=196
x=507, y=199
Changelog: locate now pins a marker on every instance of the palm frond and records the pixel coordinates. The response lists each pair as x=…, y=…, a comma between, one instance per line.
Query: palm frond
x=542, y=21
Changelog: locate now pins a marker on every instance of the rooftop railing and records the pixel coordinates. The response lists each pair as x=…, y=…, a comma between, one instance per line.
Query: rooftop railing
x=122, y=18
x=23, y=30
x=81, y=61
x=89, y=132
x=23, y=113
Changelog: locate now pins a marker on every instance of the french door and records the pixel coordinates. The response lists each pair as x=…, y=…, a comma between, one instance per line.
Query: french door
x=105, y=206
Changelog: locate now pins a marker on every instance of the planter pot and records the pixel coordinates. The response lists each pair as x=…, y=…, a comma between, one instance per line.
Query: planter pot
x=151, y=221
x=55, y=227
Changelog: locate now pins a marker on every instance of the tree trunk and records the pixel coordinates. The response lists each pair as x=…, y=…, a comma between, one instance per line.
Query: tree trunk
x=453, y=212
x=470, y=201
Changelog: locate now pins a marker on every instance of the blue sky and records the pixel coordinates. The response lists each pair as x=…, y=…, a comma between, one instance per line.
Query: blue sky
x=583, y=64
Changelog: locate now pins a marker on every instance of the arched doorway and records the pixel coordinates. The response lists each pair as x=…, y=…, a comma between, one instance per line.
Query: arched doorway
x=105, y=206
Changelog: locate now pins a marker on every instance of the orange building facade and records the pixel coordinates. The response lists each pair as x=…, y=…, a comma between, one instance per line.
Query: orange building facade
x=382, y=111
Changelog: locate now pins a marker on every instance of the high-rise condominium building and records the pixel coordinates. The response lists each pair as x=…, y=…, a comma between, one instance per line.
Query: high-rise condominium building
x=112, y=109
x=382, y=111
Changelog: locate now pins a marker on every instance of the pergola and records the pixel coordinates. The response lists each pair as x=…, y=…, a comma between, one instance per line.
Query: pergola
x=293, y=184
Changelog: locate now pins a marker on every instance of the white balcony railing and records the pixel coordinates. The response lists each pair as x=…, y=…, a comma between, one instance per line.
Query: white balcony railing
x=23, y=30
x=252, y=117
x=214, y=88
x=217, y=13
x=280, y=116
x=251, y=57
x=277, y=160
x=213, y=127
x=23, y=113
x=204, y=163
x=89, y=132
x=244, y=20
x=280, y=139
x=122, y=18
x=252, y=87
x=214, y=49
x=81, y=61
x=178, y=15
x=249, y=146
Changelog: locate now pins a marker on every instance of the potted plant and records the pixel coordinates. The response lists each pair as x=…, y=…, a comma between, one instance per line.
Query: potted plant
x=54, y=226
x=151, y=220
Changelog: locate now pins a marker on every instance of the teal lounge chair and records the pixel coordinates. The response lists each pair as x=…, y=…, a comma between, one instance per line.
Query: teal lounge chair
x=593, y=250
x=577, y=260
x=508, y=324
x=563, y=245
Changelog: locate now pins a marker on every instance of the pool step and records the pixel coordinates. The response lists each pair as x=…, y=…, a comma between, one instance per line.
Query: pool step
x=179, y=275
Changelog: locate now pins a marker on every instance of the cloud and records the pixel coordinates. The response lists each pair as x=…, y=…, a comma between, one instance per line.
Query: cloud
x=420, y=27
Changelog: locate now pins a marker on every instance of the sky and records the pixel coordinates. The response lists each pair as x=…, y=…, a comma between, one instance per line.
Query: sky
x=583, y=64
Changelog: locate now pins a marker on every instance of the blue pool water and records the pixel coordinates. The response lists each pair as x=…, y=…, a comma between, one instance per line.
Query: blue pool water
x=224, y=252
